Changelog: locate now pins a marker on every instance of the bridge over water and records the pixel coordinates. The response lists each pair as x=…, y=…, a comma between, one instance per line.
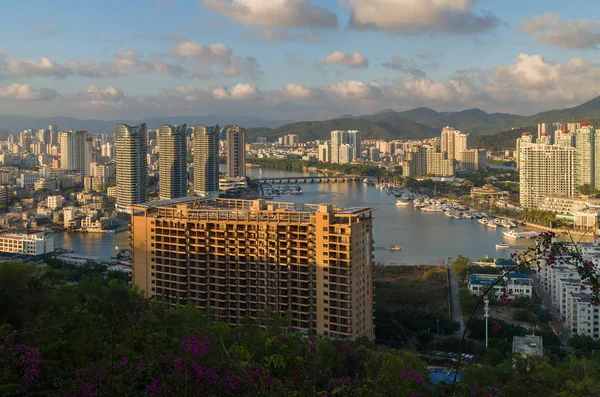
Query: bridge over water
x=311, y=179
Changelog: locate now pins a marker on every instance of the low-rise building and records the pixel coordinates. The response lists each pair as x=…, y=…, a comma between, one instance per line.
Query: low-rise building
x=28, y=244
x=517, y=284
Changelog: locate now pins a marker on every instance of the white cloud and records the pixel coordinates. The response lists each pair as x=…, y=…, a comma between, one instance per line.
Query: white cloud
x=297, y=91
x=45, y=67
x=24, y=92
x=550, y=29
x=354, y=60
x=354, y=90
x=418, y=16
x=204, y=57
x=244, y=91
x=289, y=13
x=526, y=85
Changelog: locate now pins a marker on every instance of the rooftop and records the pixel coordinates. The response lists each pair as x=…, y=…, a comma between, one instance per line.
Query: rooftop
x=197, y=204
x=528, y=344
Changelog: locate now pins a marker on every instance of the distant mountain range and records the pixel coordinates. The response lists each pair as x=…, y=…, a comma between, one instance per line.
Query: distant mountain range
x=424, y=122
x=417, y=123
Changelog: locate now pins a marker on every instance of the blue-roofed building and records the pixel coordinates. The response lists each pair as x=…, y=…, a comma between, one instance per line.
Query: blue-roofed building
x=515, y=284
x=506, y=263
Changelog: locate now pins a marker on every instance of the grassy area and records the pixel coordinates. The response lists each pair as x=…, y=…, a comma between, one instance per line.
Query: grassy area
x=408, y=301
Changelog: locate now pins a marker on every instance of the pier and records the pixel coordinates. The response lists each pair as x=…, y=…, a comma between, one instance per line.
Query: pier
x=311, y=179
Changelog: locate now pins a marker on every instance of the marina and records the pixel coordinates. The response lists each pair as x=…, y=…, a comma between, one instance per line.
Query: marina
x=425, y=238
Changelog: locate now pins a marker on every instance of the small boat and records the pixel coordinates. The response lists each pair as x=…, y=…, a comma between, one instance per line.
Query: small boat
x=402, y=203
x=510, y=234
x=395, y=248
x=502, y=246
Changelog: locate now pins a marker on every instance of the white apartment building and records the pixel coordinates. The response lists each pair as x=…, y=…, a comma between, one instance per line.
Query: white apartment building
x=28, y=244
x=54, y=202
x=324, y=152
x=347, y=153
x=525, y=138
x=453, y=142
x=426, y=161
x=340, y=138
x=545, y=170
x=569, y=295
x=587, y=151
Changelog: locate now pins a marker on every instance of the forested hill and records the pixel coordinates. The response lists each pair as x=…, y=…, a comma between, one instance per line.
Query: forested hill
x=388, y=128
x=501, y=140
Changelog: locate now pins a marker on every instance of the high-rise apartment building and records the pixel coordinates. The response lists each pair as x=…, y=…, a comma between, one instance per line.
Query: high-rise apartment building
x=289, y=140
x=53, y=128
x=132, y=166
x=585, y=142
x=242, y=257
x=546, y=170
x=340, y=138
x=347, y=153
x=236, y=152
x=565, y=138
x=472, y=159
x=544, y=139
x=355, y=139
x=453, y=142
x=324, y=153
x=426, y=161
x=545, y=129
x=206, y=161
x=75, y=151
x=525, y=138
x=172, y=161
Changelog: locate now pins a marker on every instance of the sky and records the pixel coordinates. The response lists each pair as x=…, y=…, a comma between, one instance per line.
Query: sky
x=295, y=59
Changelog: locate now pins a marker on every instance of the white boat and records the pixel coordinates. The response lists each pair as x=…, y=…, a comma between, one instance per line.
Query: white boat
x=491, y=225
x=395, y=248
x=402, y=203
x=502, y=246
x=432, y=208
x=511, y=234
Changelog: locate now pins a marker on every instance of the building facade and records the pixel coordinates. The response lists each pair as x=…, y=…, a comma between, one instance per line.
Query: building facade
x=241, y=257
x=27, y=244
x=75, y=151
x=172, y=161
x=236, y=151
x=545, y=170
x=424, y=161
x=206, y=161
x=132, y=165
x=525, y=138
x=324, y=152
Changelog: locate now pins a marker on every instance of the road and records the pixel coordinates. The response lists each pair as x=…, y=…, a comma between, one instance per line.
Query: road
x=457, y=314
x=563, y=331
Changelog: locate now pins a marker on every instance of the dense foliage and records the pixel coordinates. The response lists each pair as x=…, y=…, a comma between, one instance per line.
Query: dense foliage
x=503, y=140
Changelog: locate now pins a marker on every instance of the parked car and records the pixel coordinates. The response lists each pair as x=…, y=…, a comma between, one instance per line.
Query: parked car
x=451, y=355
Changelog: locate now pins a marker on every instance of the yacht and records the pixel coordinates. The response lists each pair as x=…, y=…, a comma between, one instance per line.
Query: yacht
x=395, y=248
x=432, y=208
x=502, y=246
x=402, y=202
x=511, y=234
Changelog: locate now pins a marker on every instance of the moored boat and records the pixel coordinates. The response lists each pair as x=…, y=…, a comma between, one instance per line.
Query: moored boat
x=502, y=246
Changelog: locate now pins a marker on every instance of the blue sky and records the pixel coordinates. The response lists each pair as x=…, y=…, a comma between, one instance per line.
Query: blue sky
x=295, y=59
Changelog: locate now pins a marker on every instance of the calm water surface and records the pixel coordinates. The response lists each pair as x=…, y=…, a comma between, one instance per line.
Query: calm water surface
x=425, y=238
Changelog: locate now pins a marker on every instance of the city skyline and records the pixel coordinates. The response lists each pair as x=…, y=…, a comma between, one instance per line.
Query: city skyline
x=316, y=60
